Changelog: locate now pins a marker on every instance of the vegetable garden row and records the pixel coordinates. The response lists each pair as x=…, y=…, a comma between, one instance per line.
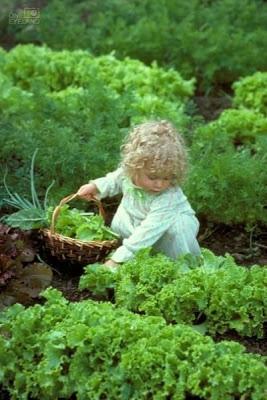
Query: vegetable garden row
x=215, y=41
x=94, y=351
x=150, y=343
x=48, y=97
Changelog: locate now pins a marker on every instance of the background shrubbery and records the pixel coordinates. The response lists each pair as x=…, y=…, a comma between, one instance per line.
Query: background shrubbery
x=251, y=92
x=228, y=180
x=76, y=106
x=76, y=109
x=215, y=41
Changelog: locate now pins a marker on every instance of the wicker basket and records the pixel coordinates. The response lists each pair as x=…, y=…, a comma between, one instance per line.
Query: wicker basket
x=71, y=250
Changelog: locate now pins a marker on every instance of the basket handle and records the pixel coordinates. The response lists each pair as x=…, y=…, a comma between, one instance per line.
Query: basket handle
x=65, y=201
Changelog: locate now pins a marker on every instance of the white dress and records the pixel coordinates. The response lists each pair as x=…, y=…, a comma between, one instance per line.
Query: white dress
x=164, y=221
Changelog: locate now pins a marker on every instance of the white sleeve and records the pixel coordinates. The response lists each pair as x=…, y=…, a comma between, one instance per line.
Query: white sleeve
x=159, y=219
x=109, y=185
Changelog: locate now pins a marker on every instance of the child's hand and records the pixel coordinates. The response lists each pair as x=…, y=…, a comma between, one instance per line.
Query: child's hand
x=111, y=265
x=87, y=191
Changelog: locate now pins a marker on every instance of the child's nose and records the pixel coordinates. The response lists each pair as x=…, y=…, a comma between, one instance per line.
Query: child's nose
x=159, y=183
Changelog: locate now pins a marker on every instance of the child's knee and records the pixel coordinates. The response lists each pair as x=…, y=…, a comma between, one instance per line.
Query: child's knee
x=186, y=225
x=182, y=236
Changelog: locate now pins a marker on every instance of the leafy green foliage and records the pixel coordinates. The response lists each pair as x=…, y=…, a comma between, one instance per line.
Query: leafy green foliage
x=70, y=222
x=49, y=97
x=217, y=41
x=98, y=278
x=251, y=92
x=79, y=103
x=191, y=289
x=31, y=218
x=76, y=224
x=154, y=90
x=241, y=126
x=32, y=214
x=92, y=350
x=234, y=148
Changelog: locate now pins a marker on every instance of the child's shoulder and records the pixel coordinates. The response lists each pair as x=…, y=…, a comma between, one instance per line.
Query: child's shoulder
x=171, y=196
x=173, y=190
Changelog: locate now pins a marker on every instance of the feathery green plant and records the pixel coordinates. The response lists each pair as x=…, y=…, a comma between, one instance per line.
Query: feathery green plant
x=32, y=214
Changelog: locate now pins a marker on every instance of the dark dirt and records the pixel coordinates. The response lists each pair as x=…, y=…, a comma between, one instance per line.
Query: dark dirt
x=247, y=247
x=210, y=107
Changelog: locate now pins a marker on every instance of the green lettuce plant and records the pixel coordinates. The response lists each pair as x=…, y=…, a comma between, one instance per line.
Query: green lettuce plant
x=251, y=92
x=80, y=103
x=191, y=290
x=92, y=350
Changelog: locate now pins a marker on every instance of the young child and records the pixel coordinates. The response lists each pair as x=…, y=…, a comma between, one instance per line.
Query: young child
x=153, y=210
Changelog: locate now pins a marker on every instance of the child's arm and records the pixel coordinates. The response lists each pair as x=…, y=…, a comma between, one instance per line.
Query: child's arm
x=162, y=214
x=107, y=186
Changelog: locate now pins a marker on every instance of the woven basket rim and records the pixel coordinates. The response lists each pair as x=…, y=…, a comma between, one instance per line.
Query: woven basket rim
x=74, y=241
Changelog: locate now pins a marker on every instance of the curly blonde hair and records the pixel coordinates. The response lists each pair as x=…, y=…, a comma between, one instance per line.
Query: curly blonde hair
x=157, y=147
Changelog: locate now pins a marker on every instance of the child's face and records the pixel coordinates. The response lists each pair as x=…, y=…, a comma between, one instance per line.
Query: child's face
x=151, y=182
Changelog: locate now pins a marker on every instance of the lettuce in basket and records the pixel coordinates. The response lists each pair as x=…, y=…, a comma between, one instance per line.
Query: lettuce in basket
x=82, y=226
